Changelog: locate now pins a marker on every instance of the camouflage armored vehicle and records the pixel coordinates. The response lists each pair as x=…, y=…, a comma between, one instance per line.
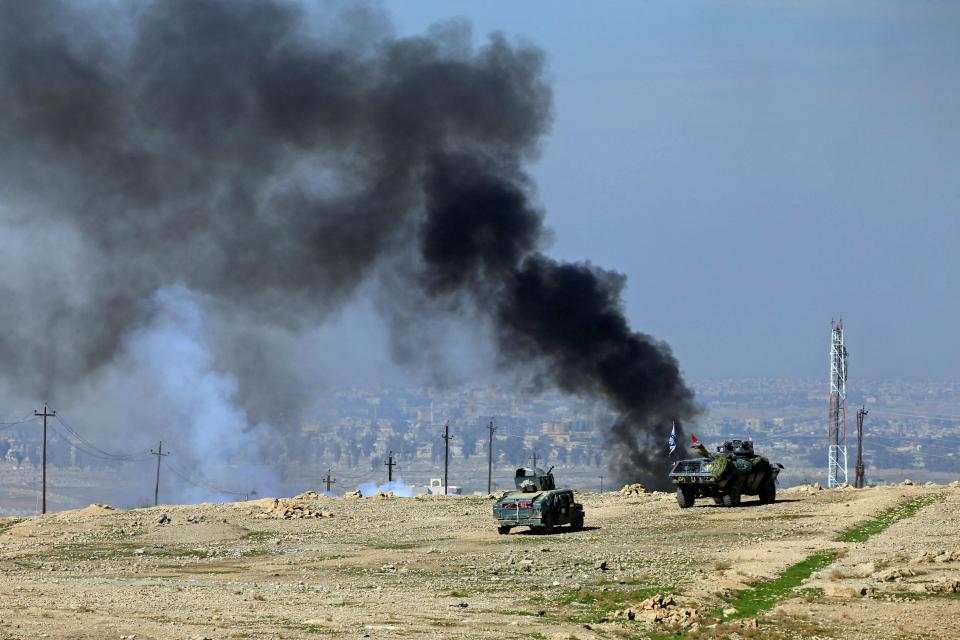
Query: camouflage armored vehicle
x=537, y=504
x=732, y=471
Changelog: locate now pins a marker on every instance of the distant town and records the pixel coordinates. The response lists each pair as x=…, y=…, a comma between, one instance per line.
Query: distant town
x=912, y=430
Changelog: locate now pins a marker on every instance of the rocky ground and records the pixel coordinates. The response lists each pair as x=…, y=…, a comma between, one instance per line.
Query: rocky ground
x=436, y=568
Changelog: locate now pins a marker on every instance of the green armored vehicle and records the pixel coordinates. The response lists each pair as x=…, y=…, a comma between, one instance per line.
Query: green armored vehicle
x=733, y=471
x=537, y=504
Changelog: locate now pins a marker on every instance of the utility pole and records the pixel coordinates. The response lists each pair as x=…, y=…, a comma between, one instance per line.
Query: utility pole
x=446, y=457
x=389, y=464
x=601, y=483
x=46, y=414
x=156, y=490
x=859, y=481
x=490, y=459
x=534, y=458
x=329, y=481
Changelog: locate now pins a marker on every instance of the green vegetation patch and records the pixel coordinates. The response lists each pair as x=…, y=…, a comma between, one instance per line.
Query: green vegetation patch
x=762, y=596
x=259, y=536
x=865, y=531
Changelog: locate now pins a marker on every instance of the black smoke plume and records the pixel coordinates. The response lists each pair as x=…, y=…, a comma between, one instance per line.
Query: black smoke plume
x=270, y=158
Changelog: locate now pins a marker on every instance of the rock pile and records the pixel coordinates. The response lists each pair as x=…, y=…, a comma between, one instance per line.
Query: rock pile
x=938, y=556
x=947, y=585
x=894, y=575
x=635, y=489
x=283, y=509
x=661, y=609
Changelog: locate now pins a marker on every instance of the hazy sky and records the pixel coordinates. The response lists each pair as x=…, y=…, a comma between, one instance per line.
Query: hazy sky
x=756, y=169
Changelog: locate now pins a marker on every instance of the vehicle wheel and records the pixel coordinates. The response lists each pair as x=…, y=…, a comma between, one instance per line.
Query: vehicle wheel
x=503, y=530
x=768, y=490
x=731, y=497
x=577, y=523
x=546, y=525
x=718, y=500
x=685, y=497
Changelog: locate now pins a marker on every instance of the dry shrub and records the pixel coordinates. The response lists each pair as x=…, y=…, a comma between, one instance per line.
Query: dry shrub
x=835, y=574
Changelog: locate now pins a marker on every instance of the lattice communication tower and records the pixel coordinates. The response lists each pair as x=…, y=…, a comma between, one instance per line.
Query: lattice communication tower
x=837, y=449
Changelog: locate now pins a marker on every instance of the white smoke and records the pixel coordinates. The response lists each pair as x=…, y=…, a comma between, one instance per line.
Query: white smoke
x=164, y=386
x=399, y=488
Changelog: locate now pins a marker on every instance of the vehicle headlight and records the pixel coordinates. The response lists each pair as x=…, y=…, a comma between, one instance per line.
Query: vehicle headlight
x=708, y=467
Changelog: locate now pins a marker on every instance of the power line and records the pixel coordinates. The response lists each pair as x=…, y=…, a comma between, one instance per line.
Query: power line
x=71, y=439
x=24, y=420
x=124, y=457
x=200, y=484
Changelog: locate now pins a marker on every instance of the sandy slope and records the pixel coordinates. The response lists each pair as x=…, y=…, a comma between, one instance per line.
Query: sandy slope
x=390, y=568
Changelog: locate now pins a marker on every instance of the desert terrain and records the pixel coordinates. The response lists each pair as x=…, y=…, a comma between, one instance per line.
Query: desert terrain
x=841, y=563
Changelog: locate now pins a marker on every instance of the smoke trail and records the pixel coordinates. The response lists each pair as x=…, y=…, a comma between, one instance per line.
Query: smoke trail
x=481, y=236
x=273, y=161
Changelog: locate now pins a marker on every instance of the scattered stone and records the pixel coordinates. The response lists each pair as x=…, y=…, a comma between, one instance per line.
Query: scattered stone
x=947, y=585
x=729, y=611
x=894, y=575
x=907, y=483
x=164, y=519
x=289, y=509
x=660, y=609
x=601, y=565
x=634, y=489
x=930, y=556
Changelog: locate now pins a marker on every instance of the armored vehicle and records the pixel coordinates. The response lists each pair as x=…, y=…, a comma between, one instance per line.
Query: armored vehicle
x=732, y=471
x=537, y=504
